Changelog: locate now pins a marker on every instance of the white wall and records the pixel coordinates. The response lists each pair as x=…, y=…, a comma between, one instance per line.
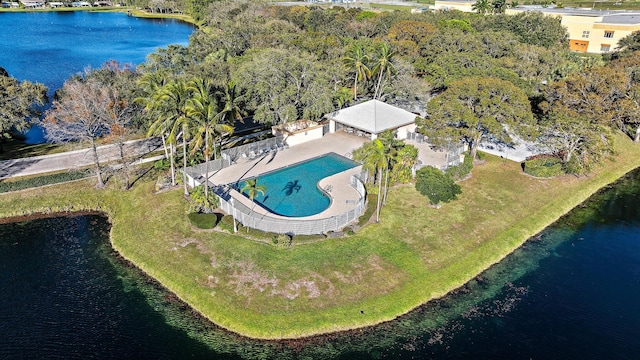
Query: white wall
x=303, y=136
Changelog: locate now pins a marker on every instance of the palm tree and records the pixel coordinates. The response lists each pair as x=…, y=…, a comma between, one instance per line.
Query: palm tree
x=202, y=108
x=498, y=6
x=252, y=189
x=230, y=101
x=384, y=68
x=357, y=60
x=151, y=84
x=373, y=158
x=170, y=103
x=342, y=97
x=391, y=146
x=481, y=6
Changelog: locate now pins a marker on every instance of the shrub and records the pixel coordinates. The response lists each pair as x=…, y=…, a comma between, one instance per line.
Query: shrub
x=202, y=203
x=543, y=166
x=204, y=221
x=282, y=240
x=42, y=181
x=226, y=223
x=436, y=185
x=460, y=171
x=162, y=164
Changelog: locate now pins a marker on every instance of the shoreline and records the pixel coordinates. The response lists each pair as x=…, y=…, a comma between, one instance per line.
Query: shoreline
x=504, y=243
x=139, y=13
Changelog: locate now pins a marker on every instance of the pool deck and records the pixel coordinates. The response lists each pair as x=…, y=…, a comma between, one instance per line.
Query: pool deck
x=338, y=186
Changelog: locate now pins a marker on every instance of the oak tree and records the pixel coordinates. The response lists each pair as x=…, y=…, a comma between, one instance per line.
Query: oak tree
x=473, y=108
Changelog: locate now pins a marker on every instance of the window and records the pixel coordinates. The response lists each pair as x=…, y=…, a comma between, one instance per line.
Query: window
x=605, y=47
x=608, y=34
x=585, y=34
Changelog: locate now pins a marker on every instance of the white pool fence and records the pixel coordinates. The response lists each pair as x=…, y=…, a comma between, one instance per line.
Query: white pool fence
x=292, y=226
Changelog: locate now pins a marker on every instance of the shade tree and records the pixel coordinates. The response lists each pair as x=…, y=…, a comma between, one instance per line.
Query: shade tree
x=19, y=101
x=436, y=185
x=473, y=108
x=284, y=85
x=627, y=109
x=83, y=111
x=579, y=141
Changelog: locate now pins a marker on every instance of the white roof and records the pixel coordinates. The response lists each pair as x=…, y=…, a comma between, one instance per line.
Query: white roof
x=373, y=117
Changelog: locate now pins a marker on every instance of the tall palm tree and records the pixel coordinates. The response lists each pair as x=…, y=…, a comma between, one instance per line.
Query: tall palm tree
x=252, y=189
x=202, y=108
x=231, y=102
x=373, y=158
x=151, y=84
x=481, y=6
x=170, y=102
x=391, y=146
x=357, y=61
x=383, y=67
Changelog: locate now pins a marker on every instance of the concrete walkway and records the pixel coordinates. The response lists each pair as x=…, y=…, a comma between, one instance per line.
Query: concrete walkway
x=72, y=160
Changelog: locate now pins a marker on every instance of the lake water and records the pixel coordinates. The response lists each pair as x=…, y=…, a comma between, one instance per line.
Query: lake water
x=572, y=292
x=49, y=47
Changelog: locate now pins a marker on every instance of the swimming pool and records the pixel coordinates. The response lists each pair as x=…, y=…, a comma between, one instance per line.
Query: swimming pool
x=293, y=191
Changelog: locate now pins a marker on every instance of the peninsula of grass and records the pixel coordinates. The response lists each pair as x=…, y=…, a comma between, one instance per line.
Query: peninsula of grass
x=417, y=253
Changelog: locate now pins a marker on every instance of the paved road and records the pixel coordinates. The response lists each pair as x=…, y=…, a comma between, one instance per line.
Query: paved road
x=72, y=160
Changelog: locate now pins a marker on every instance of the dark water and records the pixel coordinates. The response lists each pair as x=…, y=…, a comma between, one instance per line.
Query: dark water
x=572, y=292
x=49, y=47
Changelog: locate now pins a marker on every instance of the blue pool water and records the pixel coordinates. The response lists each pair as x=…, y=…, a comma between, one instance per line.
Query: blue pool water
x=293, y=191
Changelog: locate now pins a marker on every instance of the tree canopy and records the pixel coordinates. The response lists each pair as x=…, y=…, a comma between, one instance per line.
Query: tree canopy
x=436, y=185
x=19, y=101
x=473, y=108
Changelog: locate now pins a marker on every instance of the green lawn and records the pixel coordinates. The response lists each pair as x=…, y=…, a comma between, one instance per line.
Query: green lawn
x=415, y=254
x=12, y=148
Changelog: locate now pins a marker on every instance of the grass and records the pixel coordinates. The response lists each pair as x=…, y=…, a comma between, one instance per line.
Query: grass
x=13, y=148
x=416, y=253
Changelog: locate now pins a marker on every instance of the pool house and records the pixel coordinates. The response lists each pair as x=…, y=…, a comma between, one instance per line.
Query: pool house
x=371, y=118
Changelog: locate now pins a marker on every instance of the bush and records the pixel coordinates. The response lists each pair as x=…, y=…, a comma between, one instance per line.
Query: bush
x=282, y=240
x=226, y=223
x=543, y=166
x=162, y=164
x=42, y=181
x=204, y=221
x=436, y=185
x=460, y=171
x=202, y=203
